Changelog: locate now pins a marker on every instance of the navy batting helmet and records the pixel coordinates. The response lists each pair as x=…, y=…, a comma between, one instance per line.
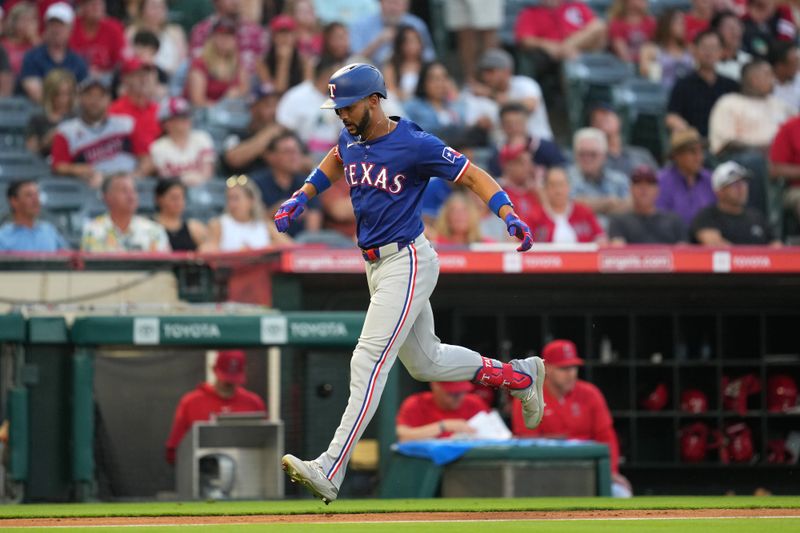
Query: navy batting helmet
x=353, y=82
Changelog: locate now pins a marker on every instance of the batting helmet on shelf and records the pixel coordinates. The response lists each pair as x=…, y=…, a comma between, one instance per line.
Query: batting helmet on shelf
x=694, y=401
x=781, y=393
x=740, y=443
x=353, y=82
x=656, y=400
x=735, y=392
x=694, y=442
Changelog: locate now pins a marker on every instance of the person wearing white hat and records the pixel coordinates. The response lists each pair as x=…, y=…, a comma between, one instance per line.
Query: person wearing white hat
x=54, y=52
x=730, y=221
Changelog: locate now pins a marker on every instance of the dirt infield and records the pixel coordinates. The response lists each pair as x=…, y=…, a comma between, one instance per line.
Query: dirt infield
x=399, y=517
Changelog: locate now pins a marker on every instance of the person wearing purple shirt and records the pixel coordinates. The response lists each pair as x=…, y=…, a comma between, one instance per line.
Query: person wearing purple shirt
x=685, y=184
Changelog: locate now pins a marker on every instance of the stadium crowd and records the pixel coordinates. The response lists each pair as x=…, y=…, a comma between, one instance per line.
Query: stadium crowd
x=224, y=106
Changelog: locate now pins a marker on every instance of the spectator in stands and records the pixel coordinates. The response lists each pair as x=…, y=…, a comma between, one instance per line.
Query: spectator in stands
x=243, y=152
x=20, y=34
x=558, y=30
x=730, y=221
x=25, y=232
x=730, y=29
x=152, y=16
x=497, y=81
x=685, y=185
x=372, y=35
x=621, y=157
x=435, y=108
x=6, y=74
x=402, y=70
x=345, y=11
x=646, y=223
x=694, y=95
x=698, y=18
x=748, y=119
x=184, y=153
x=308, y=31
x=251, y=39
x=54, y=52
x=224, y=395
x=458, y=222
x=138, y=101
x=95, y=144
x=766, y=23
x=441, y=413
x=243, y=225
x=605, y=191
x=284, y=66
x=185, y=235
x=520, y=179
x=560, y=220
x=284, y=175
x=145, y=49
x=121, y=229
x=335, y=43
x=58, y=104
x=475, y=24
x=630, y=25
x=667, y=57
x=100, y=39
x=217, y=73
x=576, y=409
x=784, y=162
x=514, y=131
x=785, y=61
x=299, y=110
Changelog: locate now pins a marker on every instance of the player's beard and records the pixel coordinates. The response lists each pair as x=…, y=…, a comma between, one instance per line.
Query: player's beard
x=361, y=127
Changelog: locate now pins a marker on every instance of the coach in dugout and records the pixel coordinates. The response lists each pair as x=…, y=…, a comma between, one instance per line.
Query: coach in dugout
x=224, y=395
x=574, y=408
x=440, y=413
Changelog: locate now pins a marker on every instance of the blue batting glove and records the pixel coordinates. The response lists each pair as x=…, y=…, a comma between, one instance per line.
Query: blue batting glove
x=519, y=229
x=290, y=210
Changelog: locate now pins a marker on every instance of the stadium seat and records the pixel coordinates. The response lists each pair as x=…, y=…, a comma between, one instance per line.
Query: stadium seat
x=63, y=201
x=590, y=78
x=642, y=106
x=15, y=113
x=659, y=6
x=206, y=201
x=18, y=163
x=600, y=7
x=145, y=187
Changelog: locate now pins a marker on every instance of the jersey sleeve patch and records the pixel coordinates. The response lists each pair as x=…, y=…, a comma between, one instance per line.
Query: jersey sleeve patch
x=436, y=159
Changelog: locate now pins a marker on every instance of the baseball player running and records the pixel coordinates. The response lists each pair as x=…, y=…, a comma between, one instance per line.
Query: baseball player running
x=387, y=162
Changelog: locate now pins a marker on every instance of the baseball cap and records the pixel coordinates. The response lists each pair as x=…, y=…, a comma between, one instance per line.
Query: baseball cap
x=282, y=23
x=455, y=387
x=60, y=11
x=261, y=90
x=683, y=139
x=644, y=174
x=224, y=25
x=172, y=107
x=561, y=353
x=496, y=58
x=133, y=64
x=230, y=366
x=94, y=81
x=510, y=152
x=727, y=173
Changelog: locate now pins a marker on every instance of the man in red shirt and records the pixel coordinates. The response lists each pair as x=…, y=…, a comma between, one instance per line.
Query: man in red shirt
x=251, y=38
x=225, y=395
x=138, y=84
x=100, y=39
x=574, y=409
x=784, y=162
x=519, y=179
x=440, y=413
x=561, y=220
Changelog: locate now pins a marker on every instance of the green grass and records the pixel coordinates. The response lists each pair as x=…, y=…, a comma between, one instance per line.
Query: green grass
x=753, y=525
x=389, y=506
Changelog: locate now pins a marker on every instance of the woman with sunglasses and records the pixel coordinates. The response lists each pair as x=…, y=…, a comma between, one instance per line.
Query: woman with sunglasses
x=243, y=225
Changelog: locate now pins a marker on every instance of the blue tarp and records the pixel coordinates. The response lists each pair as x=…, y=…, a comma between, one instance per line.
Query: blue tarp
x=444, y=451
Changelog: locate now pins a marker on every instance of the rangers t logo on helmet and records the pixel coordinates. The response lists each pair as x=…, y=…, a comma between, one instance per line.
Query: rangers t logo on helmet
x=352, y=83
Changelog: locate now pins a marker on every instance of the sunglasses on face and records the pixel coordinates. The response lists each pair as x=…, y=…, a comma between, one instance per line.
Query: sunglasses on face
x=240, y=180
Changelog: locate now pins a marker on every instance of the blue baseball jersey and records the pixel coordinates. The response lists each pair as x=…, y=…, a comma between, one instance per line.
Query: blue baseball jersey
x=387, y=177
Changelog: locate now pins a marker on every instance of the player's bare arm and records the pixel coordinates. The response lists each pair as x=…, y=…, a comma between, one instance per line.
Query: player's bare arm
x=481, y=183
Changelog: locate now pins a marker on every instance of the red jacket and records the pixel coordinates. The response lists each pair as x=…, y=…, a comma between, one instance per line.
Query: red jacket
x=198, y=406
x=582, y=414
x=420, y=409
x=105, y=48
x=581, y=218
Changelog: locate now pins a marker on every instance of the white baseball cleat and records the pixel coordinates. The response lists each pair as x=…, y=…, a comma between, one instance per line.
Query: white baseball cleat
x=532, y=398
x=310, y=475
